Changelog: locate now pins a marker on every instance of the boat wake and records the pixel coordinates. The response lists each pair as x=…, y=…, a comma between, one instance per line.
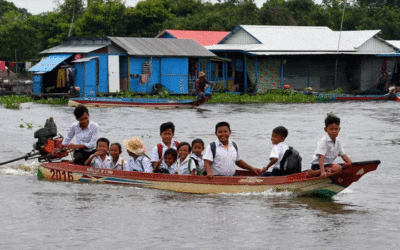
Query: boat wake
x=27, y=169
x=267, y=193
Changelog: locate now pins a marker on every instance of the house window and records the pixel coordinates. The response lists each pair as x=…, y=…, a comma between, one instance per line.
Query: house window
x=146, y=68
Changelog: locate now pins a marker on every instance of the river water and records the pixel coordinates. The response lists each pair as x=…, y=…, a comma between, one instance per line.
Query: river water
x=56, y=215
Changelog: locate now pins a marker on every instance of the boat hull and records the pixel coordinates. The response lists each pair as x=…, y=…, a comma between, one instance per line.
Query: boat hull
x=152, y=103
x=344, y=97
x=245, y=182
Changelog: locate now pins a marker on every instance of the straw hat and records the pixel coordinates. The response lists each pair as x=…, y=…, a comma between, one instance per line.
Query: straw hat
x=202, y=74
x=135, y=146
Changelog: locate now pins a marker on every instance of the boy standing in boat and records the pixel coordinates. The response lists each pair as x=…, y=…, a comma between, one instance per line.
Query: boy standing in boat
x=167, y=131
x=278, y=137
x=222, y=156
x=328, y=149
x=86, y=136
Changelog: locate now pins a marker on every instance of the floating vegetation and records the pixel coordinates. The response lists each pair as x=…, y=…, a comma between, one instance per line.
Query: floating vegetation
x=14, y=101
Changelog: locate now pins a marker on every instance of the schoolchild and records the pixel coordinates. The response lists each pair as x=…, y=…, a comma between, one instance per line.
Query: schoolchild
x=226, y=156
x=138, y=161
x=170, y=157
x=279, y=148
x=100, y=159
x=167, y=131
x=184, y=164
x=197, y=155
x=327, y=150
x=86, y=133
x=117, y=162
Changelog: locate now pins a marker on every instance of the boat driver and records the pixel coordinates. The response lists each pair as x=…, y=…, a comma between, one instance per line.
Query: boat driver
x=86, y=133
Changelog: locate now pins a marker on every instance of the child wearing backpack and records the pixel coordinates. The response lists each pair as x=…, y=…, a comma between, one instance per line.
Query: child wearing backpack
x=138, y=161
x=279, y=148
x=170, y=156
x=167, y=131
x=222, y=156
x=185, y=164
x=328, y=149
x=197, y=155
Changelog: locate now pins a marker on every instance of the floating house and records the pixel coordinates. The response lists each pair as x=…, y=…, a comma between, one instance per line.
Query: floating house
x=107, y=65
x=217, y=69
x=268, y=57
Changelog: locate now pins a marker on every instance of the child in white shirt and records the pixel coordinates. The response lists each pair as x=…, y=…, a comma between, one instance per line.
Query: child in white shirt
x=138, y=161
x=170, y=156
x=279, y=148
x=197, y=155
x=117, y=162
x=328, y=149
x=100, y=159
x=185, y=165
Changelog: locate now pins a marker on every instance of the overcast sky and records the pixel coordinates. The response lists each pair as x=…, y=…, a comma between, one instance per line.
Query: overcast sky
x=38, y=6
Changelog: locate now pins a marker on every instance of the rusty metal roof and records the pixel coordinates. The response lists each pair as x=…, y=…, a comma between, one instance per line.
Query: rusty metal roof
x=161, y=47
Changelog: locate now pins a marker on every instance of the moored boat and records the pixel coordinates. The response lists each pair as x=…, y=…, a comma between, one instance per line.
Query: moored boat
x=348, y=97
x=155, y=103
x=244, y=182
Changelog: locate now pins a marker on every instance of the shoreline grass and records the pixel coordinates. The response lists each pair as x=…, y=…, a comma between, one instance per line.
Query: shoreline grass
x=272, y=96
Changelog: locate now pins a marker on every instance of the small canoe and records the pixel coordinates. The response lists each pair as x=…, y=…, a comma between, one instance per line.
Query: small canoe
x=154, y=103
x=346, y=97
x=243, y=183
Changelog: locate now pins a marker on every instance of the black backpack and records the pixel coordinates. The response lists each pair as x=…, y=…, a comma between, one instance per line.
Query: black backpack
x=291, y=162
x=213, y=148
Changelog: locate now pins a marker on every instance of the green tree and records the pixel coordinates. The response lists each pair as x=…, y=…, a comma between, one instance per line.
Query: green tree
x=103, y=19
x=148, y=18
x=17, y=38
x=7, y=6
x=275, y=12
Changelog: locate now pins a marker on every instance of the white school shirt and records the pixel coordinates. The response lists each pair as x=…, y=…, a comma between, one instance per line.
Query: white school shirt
x=183, y=167
x=328, y=148
x=225, y=160
x=199, y=160
x=120, y=165
x=172, y=169
x=278, y=150
x=98, y=163
x=154, y=153
x=141, y=164
x=87, y=136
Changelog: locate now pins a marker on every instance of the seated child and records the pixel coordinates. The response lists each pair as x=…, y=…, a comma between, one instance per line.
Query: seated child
x=100, y=159
x=197, y=155
x=117, y=162
x=225, y=156
x=170, y=156
x=167, y=131
x=184, y=164
x=328, y=149
x=279, y=148
x=138, y=161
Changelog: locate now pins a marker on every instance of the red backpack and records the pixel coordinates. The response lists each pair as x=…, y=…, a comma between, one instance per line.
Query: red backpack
x=160, y=147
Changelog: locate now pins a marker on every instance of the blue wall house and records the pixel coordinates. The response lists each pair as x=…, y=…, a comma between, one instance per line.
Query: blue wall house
x=268, y=57
x=112, y=64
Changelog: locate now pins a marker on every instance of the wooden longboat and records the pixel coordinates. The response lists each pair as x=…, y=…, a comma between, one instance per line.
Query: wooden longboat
x=153, y=103
x=244, y=182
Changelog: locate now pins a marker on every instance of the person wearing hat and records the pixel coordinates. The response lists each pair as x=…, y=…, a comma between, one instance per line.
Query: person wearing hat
x=138, y=161
x=201, y=85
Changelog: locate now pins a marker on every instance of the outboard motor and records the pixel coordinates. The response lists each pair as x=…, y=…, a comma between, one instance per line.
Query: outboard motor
x=48, y=132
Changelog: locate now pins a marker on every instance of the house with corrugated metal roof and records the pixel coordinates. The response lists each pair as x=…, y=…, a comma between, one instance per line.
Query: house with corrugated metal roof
x=217, y=69
x=267, y=57
x=112, y=64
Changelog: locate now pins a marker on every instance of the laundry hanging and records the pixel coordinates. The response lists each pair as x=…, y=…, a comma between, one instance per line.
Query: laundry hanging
x=61, y=78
